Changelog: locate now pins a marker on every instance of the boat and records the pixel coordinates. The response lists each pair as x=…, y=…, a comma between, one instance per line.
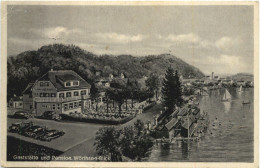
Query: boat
x=226, y=97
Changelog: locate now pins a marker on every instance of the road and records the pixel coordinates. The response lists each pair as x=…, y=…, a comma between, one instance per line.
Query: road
x=79, y=136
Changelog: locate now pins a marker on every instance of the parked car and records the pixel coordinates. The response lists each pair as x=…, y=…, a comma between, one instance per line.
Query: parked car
x=20, y=127
x=52, y=115
x=51, y=134
x=34, y=131
x=21, y=114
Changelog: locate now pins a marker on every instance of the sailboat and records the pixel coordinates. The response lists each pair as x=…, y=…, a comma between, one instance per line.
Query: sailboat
x=240, y=89
x=226, y=97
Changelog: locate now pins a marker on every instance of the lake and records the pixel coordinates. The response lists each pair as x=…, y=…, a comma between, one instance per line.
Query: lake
x=230, y=141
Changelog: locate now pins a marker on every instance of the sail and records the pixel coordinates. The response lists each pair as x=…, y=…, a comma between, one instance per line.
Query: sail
x=227, y=95
x=240, y=89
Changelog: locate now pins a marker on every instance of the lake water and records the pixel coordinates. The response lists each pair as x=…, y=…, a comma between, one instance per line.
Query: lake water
x=232, y=141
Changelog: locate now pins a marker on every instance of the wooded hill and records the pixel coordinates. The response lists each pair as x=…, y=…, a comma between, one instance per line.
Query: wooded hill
x=27, y=66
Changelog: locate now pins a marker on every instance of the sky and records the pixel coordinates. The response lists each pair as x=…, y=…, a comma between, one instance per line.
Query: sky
x=212, y=38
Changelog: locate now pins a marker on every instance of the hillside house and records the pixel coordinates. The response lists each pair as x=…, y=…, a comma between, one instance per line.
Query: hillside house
x=122, y=75
x=16, y=102
x=62, y=91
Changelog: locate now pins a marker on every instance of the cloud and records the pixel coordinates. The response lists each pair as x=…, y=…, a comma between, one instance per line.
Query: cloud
x=120, y=38
x=186, y=38
x=226, y=43
x=222, y=64
x=190, y=40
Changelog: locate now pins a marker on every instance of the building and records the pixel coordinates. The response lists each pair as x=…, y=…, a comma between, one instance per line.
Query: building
x=16, y=102
x=111, y=76
x=27, y=97
x=98, y=72
x=122, y=76
x=102, y=83
x=62, y=91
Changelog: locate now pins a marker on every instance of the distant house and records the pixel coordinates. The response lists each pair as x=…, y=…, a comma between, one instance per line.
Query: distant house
x=216, y=77
x=98, y=72
x=102, y=82
x=228, y=81
x=16, y=102
x=111, y=76
x=171, y=127
x=241, y=82
x=62, y=91
x=122, y=76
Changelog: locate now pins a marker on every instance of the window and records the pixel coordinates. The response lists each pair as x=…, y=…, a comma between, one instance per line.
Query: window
x=79, y=104
x=21, y=104
x=83, y=92
x=58, y=106
x=67, y=84
x=53, y=107
x=75, y=104
x=41, y=83
x=53, y=94
x=70, y=105
x=76, y=83
x=68, y=94
x=65, y=106
x=76, y=93
x=41, y=94
x=61, y=95
x=46, y=83
x=46, y=95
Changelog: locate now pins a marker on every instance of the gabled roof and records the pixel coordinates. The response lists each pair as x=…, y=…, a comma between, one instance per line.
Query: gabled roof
x=64, y=75
x=187, y=123
x=172, y=123
x=18, y=98
x=28, y=89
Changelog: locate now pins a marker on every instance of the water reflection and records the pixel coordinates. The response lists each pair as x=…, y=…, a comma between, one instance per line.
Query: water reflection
x=227, y=106
x=231, y=139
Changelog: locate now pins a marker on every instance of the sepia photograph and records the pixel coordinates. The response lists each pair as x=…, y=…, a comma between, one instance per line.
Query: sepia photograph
x=129, y=83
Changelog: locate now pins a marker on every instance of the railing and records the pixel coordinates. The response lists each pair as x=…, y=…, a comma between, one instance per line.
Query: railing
x=56, y=99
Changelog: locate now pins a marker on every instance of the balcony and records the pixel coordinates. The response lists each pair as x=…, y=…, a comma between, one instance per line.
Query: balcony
x=56, y=99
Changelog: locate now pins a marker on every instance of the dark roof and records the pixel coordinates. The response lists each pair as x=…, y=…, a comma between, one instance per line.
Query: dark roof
x=67, y=77
x=184, y=111
x=195, y=111
x=64, y=75
x=18, y=98
x=172, y=123
x=28, y=89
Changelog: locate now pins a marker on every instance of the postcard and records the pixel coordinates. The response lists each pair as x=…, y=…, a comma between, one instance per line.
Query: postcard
x=129, y=84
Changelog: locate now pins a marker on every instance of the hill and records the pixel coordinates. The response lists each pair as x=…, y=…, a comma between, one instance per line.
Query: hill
x=27, y=66
x=243, y=76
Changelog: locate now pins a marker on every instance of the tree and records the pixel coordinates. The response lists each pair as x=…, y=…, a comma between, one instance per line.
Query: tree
x=171, y=90
x=94, y=94
x=139, y=127
x=108, y=142
x=152, y=83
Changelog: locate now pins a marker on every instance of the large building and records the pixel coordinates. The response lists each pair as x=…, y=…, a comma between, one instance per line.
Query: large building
x=62, y=91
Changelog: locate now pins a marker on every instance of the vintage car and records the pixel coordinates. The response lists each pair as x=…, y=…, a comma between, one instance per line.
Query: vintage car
x=20, y=127
x=34, y=131
x=50, y=134
x=51, y=115
x=21, y=114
